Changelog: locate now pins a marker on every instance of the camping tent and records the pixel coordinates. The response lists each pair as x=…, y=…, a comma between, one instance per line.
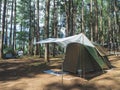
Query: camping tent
x=84, y=58
x=81, y=54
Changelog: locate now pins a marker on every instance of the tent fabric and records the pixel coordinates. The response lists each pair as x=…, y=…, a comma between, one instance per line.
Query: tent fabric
x=84, y=58
x=97, y=57
x=103, y=53
x=101, y=50
x=63, y=42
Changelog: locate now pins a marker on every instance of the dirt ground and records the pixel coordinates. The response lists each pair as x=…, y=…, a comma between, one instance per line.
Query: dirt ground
x=23, y=74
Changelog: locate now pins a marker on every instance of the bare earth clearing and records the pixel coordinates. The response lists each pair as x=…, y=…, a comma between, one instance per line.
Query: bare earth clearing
x=25, y=74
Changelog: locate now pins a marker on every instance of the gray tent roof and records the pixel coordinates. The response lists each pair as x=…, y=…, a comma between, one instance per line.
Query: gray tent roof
x=80, y=38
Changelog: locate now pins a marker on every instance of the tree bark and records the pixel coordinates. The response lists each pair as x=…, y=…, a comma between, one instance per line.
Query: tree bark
x=0, y=24
x=6, y=29
x=38, y=31
x=117, y=25
x=72, y=18
x=47, y=30
x=96, y=21
x=82, y=12
x=30, y=32
x=67, y=10
x=55, y=26
x=91, y=22
x=11, y=24
x=101, y=37
x=14, y=30
x=0, y=10
x=3, y=27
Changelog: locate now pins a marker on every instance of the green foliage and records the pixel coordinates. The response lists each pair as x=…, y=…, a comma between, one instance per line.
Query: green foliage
x=22, y=36
x=8, y=50
x=24, y=8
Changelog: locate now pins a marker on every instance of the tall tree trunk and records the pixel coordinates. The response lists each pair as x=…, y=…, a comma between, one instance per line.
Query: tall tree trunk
x=55, y=26
x=3, y=27
x=10, y=41
x=96, y=21
x=0, y=10
x=91, y=22
x=30, y=31
x=38, y=31
x=67, y=10
x=69, y=14
x=0, y=43
x=14, y=32
x=47, y=30
x=74, y=12
x=72, y=18
x=101, y=37
x=109, y=38
x=35, y=16
x=83, y=17
x=0, y=25
x=117, y=25
x=6, y=28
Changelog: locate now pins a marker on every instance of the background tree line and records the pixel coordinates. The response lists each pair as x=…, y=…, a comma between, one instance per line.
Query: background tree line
x=23, y=22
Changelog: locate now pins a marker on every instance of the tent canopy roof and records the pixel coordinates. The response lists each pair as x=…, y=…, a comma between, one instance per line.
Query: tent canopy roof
x=63, y=42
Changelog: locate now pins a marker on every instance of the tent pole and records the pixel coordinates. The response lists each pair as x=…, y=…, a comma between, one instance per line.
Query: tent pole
x=83, y=59
x=62, y=75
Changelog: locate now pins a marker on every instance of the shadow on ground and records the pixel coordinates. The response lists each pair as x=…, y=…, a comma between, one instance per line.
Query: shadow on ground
x=16, y=69
x=105, y=83
x=76, y=85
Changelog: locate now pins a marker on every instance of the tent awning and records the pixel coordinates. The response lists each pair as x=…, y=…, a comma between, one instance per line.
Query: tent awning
x=80, y=38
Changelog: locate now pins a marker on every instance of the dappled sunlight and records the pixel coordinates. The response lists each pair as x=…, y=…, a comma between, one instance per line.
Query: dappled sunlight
x=13, y=70
x=29, y=75
x=107, y=84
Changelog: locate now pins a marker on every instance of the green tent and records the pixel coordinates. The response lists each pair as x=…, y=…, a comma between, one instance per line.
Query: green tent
x=103, y=52
x=83, y=58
